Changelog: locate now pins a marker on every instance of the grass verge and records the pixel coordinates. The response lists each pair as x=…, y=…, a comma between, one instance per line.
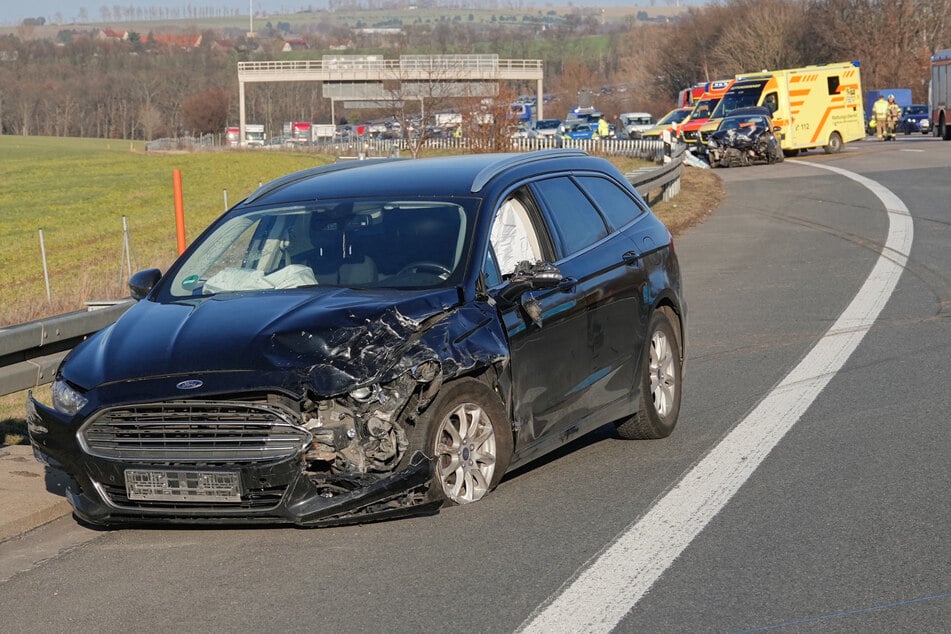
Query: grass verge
x=79, y=191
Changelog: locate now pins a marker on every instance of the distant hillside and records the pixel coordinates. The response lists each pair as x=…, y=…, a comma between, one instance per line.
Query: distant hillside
x=144, y=15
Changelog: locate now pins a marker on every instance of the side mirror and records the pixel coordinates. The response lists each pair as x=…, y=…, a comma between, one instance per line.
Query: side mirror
x=530, y=277
x=142, y=283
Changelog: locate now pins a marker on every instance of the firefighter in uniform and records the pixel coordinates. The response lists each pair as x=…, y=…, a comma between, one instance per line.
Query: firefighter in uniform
x=880, y=112
x=892, y=114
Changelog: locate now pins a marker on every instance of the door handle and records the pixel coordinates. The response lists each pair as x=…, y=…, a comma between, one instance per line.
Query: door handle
x=631, y=258
x=567, y=285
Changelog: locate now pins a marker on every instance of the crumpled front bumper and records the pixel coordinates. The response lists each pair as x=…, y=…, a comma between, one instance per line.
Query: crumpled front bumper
x=278, y=492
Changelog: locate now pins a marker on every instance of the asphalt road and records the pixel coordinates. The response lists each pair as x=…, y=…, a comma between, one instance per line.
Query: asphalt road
x=842, y=527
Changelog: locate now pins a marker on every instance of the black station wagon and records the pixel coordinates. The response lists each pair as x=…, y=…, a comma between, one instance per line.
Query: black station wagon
x=375, y=339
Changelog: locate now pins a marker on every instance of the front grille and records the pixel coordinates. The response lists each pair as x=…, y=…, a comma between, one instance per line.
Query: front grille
x=194, y=432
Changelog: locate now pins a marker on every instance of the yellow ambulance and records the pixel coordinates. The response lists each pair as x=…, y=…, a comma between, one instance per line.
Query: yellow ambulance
x=813, y=106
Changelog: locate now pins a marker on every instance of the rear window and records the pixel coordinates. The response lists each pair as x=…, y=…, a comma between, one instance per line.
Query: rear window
x=576, y=222
x=615, y=203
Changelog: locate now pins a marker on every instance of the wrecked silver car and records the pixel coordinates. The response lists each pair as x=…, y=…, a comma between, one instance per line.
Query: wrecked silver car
x=374, y=339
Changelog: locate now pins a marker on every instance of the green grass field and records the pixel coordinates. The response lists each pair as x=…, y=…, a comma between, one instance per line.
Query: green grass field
x=78, y=190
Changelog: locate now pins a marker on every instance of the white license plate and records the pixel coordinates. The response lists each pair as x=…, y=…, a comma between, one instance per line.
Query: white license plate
x=183, y=486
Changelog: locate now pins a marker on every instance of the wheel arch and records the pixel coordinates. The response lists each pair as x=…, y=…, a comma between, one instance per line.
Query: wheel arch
x=669, y=307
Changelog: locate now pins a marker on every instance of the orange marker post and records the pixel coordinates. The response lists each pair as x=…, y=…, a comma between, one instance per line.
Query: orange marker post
x=179, y=210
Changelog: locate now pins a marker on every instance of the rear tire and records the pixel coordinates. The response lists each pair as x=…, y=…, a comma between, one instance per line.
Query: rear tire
x=469, y=437
x=835, y=144
x=660, y=378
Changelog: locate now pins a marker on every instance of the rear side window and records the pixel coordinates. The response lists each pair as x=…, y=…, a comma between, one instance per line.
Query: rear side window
x=614, y=202
x=577, y=223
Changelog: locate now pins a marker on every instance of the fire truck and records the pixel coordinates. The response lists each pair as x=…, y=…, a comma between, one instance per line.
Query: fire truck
x=940, y=98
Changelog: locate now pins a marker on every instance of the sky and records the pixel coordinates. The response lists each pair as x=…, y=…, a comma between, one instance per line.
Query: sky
x=13, y=12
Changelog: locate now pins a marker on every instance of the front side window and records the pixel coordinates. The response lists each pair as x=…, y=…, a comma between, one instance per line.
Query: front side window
x=378, y=243
x=513, y=238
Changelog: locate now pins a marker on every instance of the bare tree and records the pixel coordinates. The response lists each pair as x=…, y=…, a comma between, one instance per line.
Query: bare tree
x=764, y=36
x=150, y=120
x=422, y=85
x=206, y=112
x=490, y=124
x=893, y=39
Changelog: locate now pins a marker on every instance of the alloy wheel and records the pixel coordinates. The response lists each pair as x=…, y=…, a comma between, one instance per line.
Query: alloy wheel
x=465, y=453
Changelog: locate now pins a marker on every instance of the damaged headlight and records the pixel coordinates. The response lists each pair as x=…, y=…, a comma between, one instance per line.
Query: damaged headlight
x=66, y=399
x=426, y=371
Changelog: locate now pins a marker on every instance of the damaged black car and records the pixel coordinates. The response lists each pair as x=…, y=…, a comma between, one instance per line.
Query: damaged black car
x=745, y=137
x=371, y=340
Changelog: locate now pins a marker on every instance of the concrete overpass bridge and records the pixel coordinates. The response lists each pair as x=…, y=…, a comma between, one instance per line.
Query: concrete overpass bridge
x=366, y=80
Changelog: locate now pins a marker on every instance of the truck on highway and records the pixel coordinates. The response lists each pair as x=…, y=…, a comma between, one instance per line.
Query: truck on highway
x=940, y=94
x=232, y=136
x=298, y=132
x=325, y=131
x=813, y=106
x=254, y=134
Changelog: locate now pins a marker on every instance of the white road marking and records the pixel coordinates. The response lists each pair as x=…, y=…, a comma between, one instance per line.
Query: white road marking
x=611, y=584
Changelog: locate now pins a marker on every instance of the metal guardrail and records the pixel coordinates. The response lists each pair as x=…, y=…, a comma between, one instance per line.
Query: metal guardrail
x=31, y=352
x=666, y=179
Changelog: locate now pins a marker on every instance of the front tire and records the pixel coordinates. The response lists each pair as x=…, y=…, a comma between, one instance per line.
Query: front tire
x=661, y=379
x=470, y=440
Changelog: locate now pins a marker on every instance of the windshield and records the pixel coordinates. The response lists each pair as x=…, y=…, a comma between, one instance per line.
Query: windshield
x=704, y=107
x=916, y=109
x=366, y=243
x=547, y=124
x=741, y=95
x=736, y=123
x=674, y=116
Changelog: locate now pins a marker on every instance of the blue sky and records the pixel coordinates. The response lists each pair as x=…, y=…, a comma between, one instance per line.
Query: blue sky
x=68, y=11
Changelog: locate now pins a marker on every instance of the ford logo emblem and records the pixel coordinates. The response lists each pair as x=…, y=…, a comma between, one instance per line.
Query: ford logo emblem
x=189, y=385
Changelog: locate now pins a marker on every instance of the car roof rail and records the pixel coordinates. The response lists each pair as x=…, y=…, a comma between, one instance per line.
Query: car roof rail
x=294, y=177
x=488, y=173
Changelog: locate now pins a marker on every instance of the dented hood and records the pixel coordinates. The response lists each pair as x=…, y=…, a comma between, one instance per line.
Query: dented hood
x=331, y=339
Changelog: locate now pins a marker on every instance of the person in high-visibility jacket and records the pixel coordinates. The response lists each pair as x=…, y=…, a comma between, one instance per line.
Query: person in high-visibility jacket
x=880, y=111
x=604, y=130
x=892, y=114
